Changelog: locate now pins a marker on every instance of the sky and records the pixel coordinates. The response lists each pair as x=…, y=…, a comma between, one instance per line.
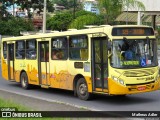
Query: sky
x=10, y=9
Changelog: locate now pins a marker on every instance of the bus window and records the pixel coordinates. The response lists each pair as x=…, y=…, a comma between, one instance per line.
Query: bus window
x=4, y=50
x=78, y=47
x=20, y=50
x=44, y=52
x=59, y=48
x=31, y=49
x=47, y=53
x=54, y=55
x=137, y=53
x=84, y=54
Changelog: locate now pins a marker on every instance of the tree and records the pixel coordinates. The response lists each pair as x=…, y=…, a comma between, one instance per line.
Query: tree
x=64, y=20
x=60, y=21
x=111, y=8
x=14, y=25
x=86, y=18
x=26, y=4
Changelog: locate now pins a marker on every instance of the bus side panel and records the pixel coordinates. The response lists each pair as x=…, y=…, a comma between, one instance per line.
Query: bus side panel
x=17, y=75
x=32, y=72
x=19, y=66
x=62, y=74
x=59, y=76
x=11, y=70
x=4, y=69
x=73, y=70
x=62, y=78
x=30, y=67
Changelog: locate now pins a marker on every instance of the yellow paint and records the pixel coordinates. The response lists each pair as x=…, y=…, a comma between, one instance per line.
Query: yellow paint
x=32, y=72
x=61, y=73
x=89, y=83
x=17, y=76
x=105, y=90
x=117, y=89
x=4, y=69
x=63, y=80
x=99, y=89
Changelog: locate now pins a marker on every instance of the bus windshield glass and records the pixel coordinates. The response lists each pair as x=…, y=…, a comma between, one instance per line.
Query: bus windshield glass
x=134, y=53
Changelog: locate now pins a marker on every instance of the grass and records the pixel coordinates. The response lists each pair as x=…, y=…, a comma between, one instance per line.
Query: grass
x=11, y=104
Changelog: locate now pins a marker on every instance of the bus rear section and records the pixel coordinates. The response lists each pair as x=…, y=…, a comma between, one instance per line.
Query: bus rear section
x=7, y=61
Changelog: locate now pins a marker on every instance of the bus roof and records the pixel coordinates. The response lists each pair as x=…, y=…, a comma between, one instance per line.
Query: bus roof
x=97, y=29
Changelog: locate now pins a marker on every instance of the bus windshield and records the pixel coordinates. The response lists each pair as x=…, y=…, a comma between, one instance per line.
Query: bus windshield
x=134, y=53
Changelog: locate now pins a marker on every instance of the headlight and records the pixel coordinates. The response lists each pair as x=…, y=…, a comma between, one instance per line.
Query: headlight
x=114, y=78
x=121, y=82
x=118, y=80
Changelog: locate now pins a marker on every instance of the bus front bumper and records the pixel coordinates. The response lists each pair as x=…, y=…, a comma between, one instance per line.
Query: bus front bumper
x=118, y=89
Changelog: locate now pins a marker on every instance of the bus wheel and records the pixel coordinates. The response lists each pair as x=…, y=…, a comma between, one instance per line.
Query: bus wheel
x=24, y=81
x=82, y=89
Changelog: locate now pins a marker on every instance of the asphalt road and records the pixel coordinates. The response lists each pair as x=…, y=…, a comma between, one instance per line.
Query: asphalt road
x=139, y=102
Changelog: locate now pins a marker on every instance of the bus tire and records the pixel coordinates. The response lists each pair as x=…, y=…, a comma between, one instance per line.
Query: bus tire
x=82, y=89
x=24, y=81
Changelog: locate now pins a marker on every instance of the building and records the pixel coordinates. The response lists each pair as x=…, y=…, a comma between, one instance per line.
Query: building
x=58, y=7
x=91, y=5
x=151, y=13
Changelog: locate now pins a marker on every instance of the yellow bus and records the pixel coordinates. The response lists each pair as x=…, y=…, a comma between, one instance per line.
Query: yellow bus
x=113, y=60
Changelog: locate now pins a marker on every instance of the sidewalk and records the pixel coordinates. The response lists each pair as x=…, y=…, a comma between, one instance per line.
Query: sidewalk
x=37, y=104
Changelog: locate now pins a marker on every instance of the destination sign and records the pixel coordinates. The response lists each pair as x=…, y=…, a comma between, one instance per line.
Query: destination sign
x=128, y=63
x=132, y=31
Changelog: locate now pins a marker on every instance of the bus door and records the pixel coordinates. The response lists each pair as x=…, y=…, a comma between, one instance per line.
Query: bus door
x=43, y=63
x=10, y=57
x=99, y=64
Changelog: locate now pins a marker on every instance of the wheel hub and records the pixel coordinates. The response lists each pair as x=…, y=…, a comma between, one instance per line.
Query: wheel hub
x=82, y=89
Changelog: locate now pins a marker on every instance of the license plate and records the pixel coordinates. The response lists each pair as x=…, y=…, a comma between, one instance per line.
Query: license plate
x=141, y=88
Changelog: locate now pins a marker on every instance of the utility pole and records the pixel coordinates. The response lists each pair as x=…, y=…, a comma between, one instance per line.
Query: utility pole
x=44, y=17
x=13, y=9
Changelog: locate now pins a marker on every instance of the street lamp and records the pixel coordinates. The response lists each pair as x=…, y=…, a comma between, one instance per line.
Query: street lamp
x=44, y=17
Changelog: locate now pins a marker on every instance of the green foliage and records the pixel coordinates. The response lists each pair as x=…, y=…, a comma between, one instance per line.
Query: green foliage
x=158, y=30
x=13, y=26
x=83, y=12
x=112, y=8
x=60, y=21
x=133, y=4
x=11, y=104
x=88, y=19
x=64, y=20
